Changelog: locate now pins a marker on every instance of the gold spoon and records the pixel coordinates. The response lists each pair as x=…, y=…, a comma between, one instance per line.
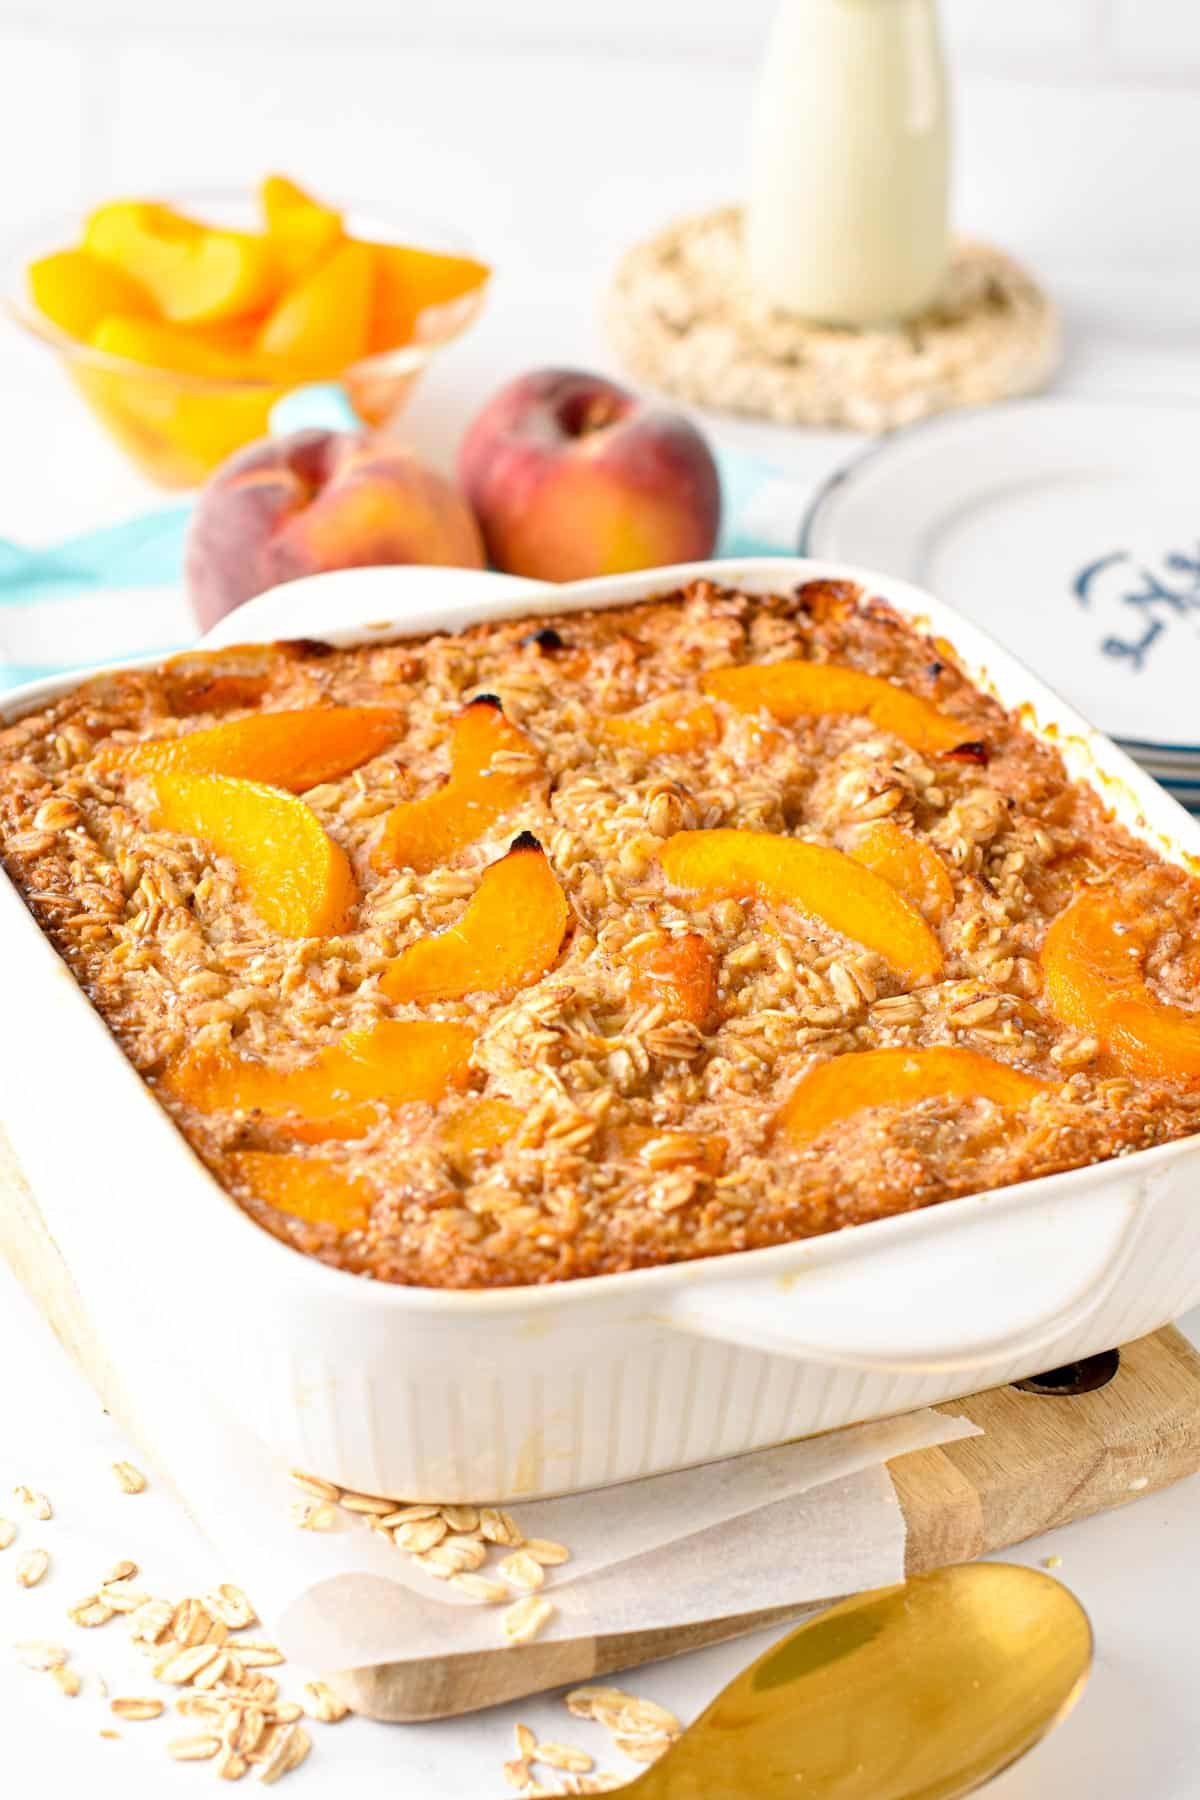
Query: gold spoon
x=919, y=1692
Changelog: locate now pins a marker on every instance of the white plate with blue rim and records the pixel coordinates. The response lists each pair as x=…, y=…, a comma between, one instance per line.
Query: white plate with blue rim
x=1070, y=529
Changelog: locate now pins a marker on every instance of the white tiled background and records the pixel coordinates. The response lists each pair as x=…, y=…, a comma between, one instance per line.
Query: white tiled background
x=1079, y=130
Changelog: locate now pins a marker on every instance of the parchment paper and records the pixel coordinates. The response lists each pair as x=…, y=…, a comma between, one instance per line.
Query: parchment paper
x=805, y=1521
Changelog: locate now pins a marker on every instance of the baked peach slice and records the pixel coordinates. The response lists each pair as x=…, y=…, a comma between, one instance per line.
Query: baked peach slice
x=421, y=834
x=680, y=971
x=479, y=1128
x=849, y=898
x=215, y=681
x=665, y=727
x=304, y=1187
x=851, y=1084
x=912, y=867
x=296, y=878
x=508, y=936
x=796, y=689
x=1093, y=958
x=295, y=749
x=338, y=1093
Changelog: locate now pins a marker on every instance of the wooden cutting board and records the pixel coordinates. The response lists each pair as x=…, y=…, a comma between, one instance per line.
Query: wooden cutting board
x=1046, y=1458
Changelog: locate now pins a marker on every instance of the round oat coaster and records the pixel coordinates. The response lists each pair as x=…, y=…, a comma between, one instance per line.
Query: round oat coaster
x=682, y=318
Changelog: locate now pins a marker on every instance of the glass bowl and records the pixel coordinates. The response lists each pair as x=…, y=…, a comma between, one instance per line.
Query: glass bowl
x=177, y=427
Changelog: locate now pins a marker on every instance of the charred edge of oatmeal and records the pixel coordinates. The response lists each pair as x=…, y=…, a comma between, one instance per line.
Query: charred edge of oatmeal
x=492, y=700
x=313, y=648
x=975, y=750
x=545, y=638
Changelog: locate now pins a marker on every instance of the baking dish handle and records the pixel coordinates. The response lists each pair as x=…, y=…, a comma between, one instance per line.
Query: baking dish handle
x=934, y=1296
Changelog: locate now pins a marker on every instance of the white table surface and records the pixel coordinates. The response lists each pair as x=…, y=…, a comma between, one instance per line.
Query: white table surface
x=1136, y=1731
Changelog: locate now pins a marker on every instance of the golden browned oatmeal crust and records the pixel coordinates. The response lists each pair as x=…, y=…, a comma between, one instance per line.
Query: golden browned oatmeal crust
x=591, y=1178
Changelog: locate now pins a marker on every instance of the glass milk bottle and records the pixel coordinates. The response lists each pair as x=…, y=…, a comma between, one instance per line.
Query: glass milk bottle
x=847, y=215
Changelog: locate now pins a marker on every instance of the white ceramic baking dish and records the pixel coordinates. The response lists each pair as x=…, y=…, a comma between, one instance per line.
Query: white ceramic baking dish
x=500, y=1395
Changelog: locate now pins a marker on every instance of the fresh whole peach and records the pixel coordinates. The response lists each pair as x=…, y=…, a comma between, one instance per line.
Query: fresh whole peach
x=571, y=476
x=316, y=500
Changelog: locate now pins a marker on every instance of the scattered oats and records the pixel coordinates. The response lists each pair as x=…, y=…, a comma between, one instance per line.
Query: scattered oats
x=106, y=1731
x=67, y=1681
x=190, y=1623
x=470, y=1551
x=442, y=1562
x=419, y=1535
x=643, y=1749
x=34, y=1503
x=8, y=1532
x=151, y=1622
x=526, y=1619
x=31, y=1567
x=178, y=1667
x=286, y=1712
x=229, y=1604
x=546, y=1552
x=37, y=1655
x=320, y=1702
x=526, y=1741
x=518, y=1774
x=301, y=1744
x=101, y=1687
x=314, y=1515
x=583, y=1701
x=522, y=1571
x=260, y=1688
x=481, y=1587
x=461, y=1518
x=314, y=1485
x=136, y=1706
x=286, y=1752
x=193, y=1749
x=121, y=1571
x=130, y=1480
x=608, y=1716
x=499, y=1527
x=647, y=1716
x=565, y=1757
x=118, y=1596
x=257, y=1653
x=231, y=1766
x=216, y=1671
x=202, y=1706
x=404, y=1515
x=242, y=1730
x=261, y=1752
x=366, y=1503
x=1052, y=1562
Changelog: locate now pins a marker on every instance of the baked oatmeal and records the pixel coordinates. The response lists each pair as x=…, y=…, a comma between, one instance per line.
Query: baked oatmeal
x=562, y=947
